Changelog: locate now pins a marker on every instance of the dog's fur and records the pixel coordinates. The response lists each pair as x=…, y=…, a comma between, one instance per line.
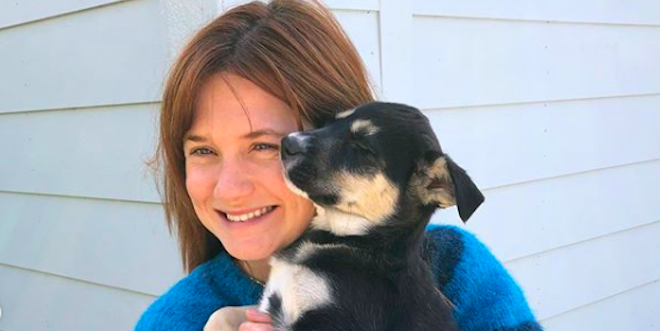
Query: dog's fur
x=376, y=174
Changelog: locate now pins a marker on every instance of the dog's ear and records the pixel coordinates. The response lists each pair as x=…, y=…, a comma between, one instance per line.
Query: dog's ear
x=442, y=182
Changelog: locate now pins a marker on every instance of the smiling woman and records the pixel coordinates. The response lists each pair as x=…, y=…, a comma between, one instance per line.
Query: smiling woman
x=236, y=184
x=251, y=76
x=294, y=54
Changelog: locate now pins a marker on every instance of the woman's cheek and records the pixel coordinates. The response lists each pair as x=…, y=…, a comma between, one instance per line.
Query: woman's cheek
x=199, y=184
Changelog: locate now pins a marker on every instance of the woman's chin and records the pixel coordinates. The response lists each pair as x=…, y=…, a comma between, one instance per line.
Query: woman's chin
x=249, y=252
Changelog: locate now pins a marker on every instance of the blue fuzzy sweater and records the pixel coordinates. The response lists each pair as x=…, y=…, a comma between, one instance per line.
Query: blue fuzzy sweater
x=485, y=296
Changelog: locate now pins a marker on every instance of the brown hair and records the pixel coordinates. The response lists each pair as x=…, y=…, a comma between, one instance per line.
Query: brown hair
x=294, y=50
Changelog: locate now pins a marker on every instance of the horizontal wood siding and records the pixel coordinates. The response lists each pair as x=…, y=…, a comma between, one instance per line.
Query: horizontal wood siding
x=111, y=55
x=635, y=12
x=471, y=62
x=636, y=309
x=578, y=275
x=25, y=11
x=39, y=301
x=99, y=152
x=117, y=244
x=552, y=108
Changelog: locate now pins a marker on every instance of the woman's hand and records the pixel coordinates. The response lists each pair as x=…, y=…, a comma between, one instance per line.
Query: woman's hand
x=245, y=318
x=256, y=321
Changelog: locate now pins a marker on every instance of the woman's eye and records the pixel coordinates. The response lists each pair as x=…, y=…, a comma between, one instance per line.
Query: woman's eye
x=200, y=151
x=265, y=147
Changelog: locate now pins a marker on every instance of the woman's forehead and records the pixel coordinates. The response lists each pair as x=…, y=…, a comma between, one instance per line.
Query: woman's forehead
x=234, y=104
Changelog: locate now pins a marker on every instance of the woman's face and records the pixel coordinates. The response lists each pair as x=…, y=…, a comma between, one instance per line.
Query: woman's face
x=233, y=174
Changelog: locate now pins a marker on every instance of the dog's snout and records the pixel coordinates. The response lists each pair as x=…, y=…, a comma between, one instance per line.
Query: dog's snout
x=291, y=146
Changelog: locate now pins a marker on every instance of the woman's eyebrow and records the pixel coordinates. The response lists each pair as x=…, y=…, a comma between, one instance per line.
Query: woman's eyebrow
x=194, y=138
x=264, y=132
x=251, y=135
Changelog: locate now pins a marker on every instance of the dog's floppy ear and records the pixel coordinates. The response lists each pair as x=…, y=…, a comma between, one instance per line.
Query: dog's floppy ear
x=446, y=184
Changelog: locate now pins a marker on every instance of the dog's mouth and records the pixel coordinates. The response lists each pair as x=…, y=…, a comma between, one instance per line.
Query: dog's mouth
x=295, y=189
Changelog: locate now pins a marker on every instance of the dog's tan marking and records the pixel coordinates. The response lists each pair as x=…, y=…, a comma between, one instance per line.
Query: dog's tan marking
x=373, y=197
x=365, y=126
x=345, y=113
x=300, y=288
x=307, y=249
x=339, y=222
x=433, y=184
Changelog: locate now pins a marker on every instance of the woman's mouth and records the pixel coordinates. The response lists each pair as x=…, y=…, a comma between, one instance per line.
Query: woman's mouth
x=249, y=216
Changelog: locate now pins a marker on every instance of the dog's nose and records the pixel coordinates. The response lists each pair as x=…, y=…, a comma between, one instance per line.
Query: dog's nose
x=291, y=146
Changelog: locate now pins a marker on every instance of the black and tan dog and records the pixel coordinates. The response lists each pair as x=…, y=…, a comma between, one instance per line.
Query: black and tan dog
x=376, y=174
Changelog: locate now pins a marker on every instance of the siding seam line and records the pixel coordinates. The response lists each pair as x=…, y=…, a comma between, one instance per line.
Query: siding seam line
x=51, y=274
x=538, y=102
x=58, y=15
x=602, y=299
x=598, y=237
x=534, y=21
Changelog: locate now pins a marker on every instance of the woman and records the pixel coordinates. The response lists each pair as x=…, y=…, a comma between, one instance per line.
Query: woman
x=256, y=73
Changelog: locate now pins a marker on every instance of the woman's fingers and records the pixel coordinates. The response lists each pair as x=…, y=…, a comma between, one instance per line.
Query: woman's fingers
x=254, y=315
x=227, y=319
x=251, y=326
x=256, y=321
x=246, y=318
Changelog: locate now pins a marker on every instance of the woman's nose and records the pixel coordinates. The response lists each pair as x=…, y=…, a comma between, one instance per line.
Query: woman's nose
x=234, y=182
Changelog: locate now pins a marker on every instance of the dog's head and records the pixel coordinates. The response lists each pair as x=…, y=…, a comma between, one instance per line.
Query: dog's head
x=370, y=160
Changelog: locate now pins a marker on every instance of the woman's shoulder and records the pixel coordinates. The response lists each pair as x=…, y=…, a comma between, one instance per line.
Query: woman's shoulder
x=188, y=304
x=485, y=295
x=457, y=253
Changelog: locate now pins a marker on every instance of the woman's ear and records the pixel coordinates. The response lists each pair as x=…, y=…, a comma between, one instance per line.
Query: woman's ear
x=442, y=182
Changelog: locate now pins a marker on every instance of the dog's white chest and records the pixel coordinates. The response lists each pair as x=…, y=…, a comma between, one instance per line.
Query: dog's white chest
x=299, y=288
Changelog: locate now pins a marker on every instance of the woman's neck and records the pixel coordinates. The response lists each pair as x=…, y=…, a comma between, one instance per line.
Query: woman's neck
x=258, y=270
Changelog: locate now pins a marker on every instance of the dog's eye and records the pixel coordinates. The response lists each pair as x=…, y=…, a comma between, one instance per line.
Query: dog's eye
x=363, y=145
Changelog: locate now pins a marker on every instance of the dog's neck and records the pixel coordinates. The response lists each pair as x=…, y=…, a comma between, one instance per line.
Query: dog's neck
x=402, y=232
x=339, y=223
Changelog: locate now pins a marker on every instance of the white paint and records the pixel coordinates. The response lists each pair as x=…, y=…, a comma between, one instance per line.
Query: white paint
x=184, y=18
x=300, y=288
x=635, y=309
x=93, y=241
x=110, y=55
x=482, y=62
x=396, y=41
x=41, y=301
x=504, y=145
x=362, y=27
x=21, y=12
x=557, y=212
x=595, y=12
x=575, y=276
x=98, y=153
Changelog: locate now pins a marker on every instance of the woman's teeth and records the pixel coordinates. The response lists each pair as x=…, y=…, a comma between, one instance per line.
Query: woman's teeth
x=250, y=215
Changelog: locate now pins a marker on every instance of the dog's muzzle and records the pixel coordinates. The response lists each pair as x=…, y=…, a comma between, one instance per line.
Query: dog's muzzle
x=293, y=148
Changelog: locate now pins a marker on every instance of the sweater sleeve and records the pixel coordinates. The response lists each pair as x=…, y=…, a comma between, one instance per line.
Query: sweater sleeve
x=185, y=307
x=485, y=296
x=188, y=305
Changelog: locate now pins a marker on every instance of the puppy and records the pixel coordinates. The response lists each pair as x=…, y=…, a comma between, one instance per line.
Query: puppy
x=375, y=174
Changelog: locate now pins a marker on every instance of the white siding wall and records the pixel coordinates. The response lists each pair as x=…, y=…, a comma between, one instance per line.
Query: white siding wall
x=553, y=108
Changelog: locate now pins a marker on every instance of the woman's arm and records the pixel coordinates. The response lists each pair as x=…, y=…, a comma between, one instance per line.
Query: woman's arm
x=485, y=296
